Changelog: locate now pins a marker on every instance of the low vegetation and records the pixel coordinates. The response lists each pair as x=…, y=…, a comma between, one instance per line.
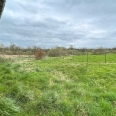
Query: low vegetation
x=60, y=86
x=53, y=52
x=39, y=54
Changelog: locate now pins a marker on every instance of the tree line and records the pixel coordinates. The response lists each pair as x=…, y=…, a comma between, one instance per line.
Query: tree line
x=52, y=52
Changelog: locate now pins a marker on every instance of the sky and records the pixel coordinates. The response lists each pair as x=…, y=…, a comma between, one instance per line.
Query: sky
x=50, y=23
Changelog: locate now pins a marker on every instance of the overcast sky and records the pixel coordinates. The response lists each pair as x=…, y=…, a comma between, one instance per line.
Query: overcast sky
x=50, y=23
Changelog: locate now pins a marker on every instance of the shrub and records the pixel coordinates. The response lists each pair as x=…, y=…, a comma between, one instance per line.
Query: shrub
x=73, y=52
x=56, y=52
x=39, y=54
x=99, y=51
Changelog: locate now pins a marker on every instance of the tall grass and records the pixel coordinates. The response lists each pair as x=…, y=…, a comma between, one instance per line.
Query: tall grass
x=58, y=87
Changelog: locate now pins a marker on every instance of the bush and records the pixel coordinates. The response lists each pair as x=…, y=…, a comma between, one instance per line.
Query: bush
x=56, y=52
x=73, y=52
x=39, y=54
x=99, y=51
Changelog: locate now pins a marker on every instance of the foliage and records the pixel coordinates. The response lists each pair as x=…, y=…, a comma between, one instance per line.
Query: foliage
x=39, y=54
x=99, y=51
x=56, y=52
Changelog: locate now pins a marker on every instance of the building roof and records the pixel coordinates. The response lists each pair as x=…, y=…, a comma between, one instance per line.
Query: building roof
x=2, y=4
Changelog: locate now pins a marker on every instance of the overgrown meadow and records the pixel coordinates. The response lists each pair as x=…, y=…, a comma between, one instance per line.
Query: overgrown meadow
x=62, y=86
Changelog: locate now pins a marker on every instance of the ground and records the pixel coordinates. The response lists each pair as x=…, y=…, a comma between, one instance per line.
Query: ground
x=68, y=86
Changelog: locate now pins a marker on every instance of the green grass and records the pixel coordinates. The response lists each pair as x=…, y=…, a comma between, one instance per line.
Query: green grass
x=66, y=86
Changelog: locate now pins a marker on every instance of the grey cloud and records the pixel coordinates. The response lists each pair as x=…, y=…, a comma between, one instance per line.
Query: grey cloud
x=83, y=23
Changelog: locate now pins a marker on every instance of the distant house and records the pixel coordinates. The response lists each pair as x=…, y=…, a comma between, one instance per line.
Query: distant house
x=2, y=4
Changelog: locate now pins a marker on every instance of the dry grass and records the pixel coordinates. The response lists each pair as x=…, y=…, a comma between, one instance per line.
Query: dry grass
x=16, y=56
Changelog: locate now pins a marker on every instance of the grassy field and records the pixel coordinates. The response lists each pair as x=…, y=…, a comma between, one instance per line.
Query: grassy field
x=65, y=86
